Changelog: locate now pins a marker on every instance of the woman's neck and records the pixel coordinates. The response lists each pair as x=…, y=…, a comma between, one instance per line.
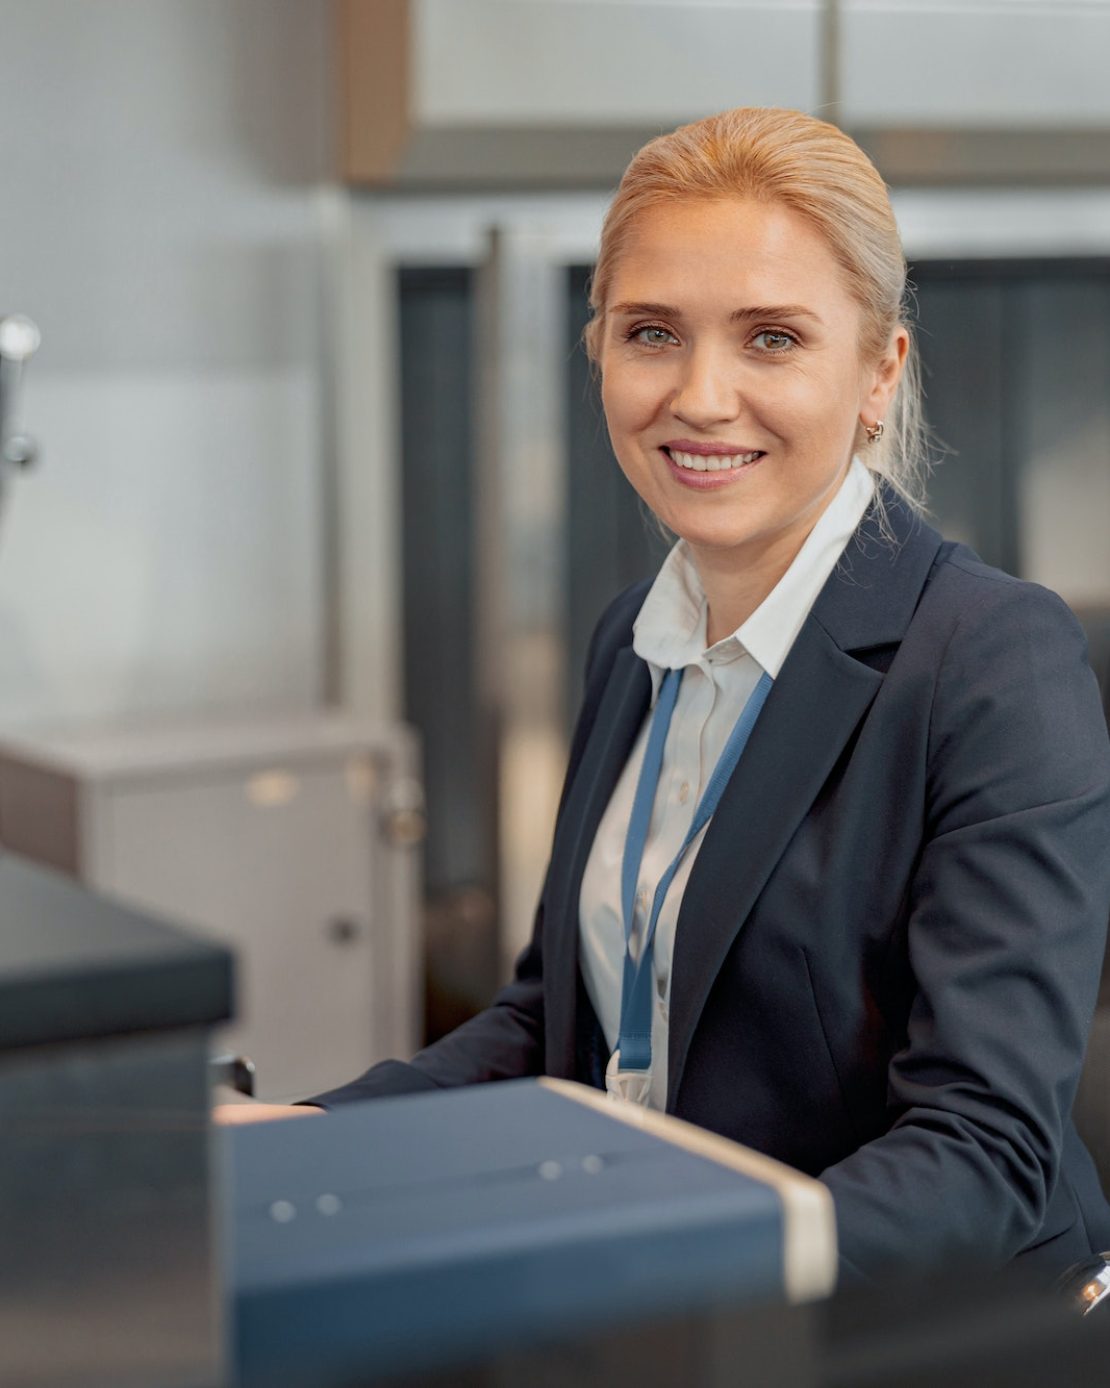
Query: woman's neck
x=734, y=590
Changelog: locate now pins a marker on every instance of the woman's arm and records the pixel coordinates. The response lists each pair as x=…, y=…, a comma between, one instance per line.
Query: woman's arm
x=1006, y=933
x=504, y=1041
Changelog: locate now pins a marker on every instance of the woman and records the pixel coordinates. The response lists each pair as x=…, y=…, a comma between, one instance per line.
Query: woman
x=878, y=960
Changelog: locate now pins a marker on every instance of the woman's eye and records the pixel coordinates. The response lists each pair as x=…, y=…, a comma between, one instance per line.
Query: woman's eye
x=770, y=341
x=653, y=336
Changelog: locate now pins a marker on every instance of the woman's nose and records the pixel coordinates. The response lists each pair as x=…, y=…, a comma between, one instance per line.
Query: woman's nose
x=707, y=391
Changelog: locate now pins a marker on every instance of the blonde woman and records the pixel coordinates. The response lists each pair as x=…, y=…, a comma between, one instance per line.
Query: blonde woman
x=830, y=875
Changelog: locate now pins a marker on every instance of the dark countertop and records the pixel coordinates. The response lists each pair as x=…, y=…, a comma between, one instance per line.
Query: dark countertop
x=76, y=965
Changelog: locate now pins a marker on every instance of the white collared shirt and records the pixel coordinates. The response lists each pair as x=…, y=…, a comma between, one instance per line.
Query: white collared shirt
x=669, y=634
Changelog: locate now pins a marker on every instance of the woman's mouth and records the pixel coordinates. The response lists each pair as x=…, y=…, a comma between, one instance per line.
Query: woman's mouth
x=709, y=469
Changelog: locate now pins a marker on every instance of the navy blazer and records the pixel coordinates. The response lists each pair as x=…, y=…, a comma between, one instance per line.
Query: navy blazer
x=888, y=952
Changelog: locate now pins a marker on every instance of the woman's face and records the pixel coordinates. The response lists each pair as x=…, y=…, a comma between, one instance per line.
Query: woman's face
x=731, y=375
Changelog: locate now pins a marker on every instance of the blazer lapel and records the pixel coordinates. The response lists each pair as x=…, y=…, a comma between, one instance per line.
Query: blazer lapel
x=820, y=697
x=620, y=714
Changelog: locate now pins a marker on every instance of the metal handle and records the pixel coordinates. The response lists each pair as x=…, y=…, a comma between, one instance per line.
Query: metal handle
x=234, y=1070
x=19, y=341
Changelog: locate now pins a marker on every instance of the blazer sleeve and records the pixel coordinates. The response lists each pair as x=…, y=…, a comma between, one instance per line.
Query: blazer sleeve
x=505, y=1040
x=1006, y=931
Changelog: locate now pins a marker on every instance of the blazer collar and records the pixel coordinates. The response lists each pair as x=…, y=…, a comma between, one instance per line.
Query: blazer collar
x=873, y=591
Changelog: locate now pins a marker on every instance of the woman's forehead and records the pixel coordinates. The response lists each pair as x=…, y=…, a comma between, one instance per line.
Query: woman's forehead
x=712, y=251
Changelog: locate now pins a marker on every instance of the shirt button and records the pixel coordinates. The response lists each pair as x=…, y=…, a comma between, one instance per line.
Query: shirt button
x=684, y=792
x=642, y=899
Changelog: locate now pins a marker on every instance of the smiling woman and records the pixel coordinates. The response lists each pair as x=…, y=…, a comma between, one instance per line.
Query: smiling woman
x=829, y=875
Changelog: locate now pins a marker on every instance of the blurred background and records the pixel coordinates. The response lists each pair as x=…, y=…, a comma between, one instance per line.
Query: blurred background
x=295, y=598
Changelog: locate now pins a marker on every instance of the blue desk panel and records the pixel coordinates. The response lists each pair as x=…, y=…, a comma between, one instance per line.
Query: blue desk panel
x=413, y=1232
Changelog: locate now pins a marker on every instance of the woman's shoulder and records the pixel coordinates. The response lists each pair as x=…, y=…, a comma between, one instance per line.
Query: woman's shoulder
x=974, y=595
x=1009, y=650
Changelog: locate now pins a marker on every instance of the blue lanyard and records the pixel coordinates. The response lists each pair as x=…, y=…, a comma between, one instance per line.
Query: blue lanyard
x=636, y=985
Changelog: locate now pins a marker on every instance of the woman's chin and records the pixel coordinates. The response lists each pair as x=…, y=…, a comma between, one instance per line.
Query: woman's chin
x=719, y=536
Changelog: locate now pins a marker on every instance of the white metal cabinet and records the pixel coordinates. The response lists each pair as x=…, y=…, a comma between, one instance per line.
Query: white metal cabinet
x=294, y=841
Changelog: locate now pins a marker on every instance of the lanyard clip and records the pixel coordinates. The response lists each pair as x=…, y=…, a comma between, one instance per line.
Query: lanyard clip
x=631, y=1086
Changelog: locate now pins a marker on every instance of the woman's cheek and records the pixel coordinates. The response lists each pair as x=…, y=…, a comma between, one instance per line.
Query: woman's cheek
x=632, y=397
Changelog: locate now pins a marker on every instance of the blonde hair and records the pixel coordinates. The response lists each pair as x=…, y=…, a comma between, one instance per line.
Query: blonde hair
x=796, y=161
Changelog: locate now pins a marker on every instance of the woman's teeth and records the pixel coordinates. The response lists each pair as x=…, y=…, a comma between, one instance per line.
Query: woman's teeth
x=701, y=462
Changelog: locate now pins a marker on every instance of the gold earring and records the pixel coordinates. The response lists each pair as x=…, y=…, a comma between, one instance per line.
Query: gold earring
x=874, y=431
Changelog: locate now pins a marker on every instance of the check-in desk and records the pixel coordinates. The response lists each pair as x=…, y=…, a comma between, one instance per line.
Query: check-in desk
x=110, y=1271
x=529, y=1233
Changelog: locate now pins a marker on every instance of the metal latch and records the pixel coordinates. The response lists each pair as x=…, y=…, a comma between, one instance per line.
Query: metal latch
x=402, y=815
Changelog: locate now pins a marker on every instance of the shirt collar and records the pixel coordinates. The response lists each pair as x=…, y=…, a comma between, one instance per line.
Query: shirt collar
x=670, y=631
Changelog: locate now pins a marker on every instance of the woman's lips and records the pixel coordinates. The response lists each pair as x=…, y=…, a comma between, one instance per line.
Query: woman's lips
x=707, y=471
x=715, y=448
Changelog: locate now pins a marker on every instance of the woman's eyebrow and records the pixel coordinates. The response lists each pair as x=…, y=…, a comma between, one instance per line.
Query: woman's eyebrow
x=736, y=316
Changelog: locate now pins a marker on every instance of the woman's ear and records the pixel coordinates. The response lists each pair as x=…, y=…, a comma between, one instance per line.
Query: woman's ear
x=885, y=375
